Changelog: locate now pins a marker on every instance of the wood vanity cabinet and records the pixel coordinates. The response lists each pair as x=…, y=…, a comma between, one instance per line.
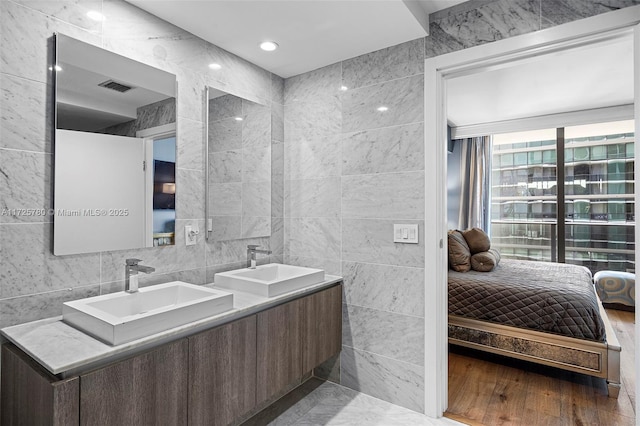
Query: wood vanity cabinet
x=222, y=373
x=215, y=377
x=33, y=396
x=150, y=388
x=296, y=337
x=238, y=366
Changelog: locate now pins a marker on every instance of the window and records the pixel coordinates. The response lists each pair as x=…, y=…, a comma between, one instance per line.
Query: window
x=597, y=218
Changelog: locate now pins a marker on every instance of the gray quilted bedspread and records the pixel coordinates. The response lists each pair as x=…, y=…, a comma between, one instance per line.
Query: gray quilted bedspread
x=549, y=297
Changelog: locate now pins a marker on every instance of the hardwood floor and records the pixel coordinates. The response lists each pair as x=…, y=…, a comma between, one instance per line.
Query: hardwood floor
x=486, y=389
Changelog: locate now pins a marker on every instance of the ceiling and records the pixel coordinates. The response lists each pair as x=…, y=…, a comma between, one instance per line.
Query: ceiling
x=316, y=33
x=311, y=33
x=584, y=78
x=82, y=104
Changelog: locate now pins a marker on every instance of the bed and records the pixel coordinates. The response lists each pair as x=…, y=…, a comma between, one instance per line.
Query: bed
x=548, y=313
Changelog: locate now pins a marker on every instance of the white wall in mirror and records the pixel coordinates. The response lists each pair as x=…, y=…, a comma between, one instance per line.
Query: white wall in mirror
x=100, y=192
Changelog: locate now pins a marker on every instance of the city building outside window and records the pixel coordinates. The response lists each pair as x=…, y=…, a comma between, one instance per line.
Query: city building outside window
x=598, y=188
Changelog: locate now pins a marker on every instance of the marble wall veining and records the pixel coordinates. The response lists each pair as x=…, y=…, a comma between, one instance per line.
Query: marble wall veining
x=33, y=282
x=350, y=173
x=153, y=115
x=474, y=23
x=239, y=168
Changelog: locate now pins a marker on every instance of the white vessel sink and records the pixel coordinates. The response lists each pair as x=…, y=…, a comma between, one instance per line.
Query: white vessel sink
x=269, y=280
x=121, y=317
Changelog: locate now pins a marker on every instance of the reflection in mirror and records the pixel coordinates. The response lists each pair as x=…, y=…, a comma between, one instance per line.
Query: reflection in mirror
x=239, y=167
x=115, y=151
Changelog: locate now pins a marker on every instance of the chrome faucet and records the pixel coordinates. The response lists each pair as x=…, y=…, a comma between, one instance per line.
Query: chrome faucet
x=131, y=274
x=251, y=255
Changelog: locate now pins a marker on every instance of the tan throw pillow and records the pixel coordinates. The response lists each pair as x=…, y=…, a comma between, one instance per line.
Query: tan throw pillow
x=477, y=240
x=459, y=254
x=485, y=261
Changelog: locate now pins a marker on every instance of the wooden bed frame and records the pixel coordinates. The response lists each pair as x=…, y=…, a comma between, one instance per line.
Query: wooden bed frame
x=599, y=359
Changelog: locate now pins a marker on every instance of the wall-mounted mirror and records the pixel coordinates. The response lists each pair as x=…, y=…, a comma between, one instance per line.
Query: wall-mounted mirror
x=238, y=138
x=114, y=152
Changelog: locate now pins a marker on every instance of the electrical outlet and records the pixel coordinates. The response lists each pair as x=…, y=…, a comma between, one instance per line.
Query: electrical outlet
x=190, y=235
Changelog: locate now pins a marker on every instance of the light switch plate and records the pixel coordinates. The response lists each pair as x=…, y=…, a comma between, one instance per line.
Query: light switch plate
x=405, y=233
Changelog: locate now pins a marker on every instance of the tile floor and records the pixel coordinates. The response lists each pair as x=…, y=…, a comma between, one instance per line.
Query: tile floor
x=325, y=403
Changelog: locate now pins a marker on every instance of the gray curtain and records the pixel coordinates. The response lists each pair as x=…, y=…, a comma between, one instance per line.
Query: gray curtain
x=475, y=194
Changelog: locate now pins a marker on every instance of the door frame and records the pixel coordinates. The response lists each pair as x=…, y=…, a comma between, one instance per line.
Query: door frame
x=150, y=135
x=470, y=61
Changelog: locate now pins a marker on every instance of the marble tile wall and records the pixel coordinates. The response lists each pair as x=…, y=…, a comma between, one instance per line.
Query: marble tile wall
x=482, y=21
x=350, y=173
x=152, y=115
x=33, y=282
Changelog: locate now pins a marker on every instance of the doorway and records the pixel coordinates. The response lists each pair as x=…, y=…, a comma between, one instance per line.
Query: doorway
x=439, y=72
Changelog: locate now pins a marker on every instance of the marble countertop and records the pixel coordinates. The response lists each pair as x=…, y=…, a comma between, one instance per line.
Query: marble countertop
x=66, y=351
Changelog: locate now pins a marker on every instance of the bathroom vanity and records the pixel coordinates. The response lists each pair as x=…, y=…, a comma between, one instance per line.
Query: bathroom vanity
x=216, y=371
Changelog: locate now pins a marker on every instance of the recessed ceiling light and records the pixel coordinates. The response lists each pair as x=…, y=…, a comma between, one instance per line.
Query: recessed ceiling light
x=96, y=16
x=215, y=66
x=383, y=108
x=269, y=46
